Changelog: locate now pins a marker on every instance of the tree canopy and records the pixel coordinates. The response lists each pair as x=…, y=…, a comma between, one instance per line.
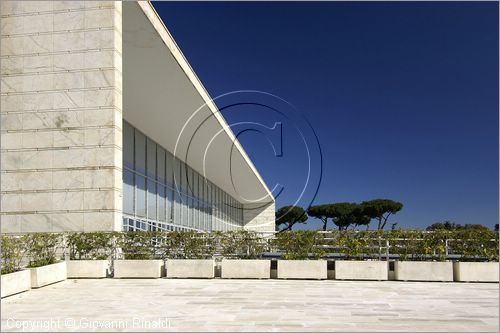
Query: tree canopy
x=381, y=209
x=448, y=225
x=342, y=214
x=289, y=216
x=321, y=212
x=345, y=214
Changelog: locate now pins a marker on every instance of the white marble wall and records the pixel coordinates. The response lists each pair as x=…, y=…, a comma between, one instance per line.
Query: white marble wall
x=259, y=217
x=61, y=115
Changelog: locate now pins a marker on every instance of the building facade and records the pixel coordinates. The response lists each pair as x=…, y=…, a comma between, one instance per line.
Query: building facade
x=160, y=192
x=104, y=126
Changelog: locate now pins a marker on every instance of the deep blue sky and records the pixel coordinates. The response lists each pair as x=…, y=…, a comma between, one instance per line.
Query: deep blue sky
x=402, y=96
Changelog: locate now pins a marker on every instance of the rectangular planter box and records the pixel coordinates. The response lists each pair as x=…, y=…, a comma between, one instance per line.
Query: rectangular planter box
x=42, y=276
x=138, y=268
x=361, y=270
x=302, y=269
x=190, y=268
x=423, y=271
x=246, y=269
x=475, y=271
x=87, y=268
x=14, y=283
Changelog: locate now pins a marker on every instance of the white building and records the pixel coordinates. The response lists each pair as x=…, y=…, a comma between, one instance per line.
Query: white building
x=105, y=126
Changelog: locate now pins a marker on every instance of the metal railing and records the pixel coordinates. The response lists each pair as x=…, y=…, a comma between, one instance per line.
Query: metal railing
x=378, y=248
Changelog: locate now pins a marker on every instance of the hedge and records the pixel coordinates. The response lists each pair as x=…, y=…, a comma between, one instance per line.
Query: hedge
x=40, y=249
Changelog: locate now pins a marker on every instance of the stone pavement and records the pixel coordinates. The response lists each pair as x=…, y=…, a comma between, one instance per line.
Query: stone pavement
x=253, y=305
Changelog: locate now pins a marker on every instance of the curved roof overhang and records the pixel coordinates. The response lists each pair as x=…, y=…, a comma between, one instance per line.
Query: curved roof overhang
x=163, y=97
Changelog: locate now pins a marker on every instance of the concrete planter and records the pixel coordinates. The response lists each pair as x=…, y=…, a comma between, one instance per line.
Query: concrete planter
x=302, y=269
x=361, y=270
x=94, y=269
x=138, y=268
x=475, y=271
x=42, y=276
x=190, y=268
x=423, y=271
x=14, y=283
x=246, y=269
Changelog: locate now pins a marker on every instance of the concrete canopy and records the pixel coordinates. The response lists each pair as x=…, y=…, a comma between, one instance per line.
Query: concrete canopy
x=163, y=98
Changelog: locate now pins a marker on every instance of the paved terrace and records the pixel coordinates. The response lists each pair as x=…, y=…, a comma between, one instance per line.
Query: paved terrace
x=253, y=305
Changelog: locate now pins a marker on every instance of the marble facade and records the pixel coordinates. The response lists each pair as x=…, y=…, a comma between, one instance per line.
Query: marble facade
x=61, y=115
x=62, y=112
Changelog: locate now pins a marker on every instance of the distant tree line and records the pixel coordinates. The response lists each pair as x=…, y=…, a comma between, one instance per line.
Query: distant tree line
x=347, y=214
x=343, y=214
x=448, y=225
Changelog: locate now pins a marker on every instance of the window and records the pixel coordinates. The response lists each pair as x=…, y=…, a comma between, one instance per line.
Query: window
x=140, y=152
x=184, y=213
x=170, y=169
x=190, y=212
x=128, y=146
x=161, y=192
x=178, y=208
x=162, y=204
x=176, y=174
x=152, y=200
x=160, y=154
x=194, y=185
x=141, y=196
x=170, y=204
x=182, y=177
x=151, y=159
x=128, y=192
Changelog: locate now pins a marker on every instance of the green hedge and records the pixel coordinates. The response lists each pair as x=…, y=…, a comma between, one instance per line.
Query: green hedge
x=187, y=245
x=39, y=249
x=13, y=253
x=241, y=244
x=91, y=245
x=301, y=244
x=416, y=245
x=139, y=244
x=471, y=244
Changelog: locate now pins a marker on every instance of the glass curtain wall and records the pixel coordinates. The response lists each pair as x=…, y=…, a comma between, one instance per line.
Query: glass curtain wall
x=161, y=192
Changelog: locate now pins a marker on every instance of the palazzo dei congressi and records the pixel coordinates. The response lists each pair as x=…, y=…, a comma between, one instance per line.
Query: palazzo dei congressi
x=105, y=126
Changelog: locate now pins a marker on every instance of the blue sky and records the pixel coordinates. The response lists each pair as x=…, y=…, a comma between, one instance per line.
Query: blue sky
x=403, y=97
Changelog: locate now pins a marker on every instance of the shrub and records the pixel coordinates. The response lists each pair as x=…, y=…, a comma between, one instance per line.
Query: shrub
x=140, y=244
x=357, y=244
x=475, y=244
x=300, y=244
x=42, y=248
x=433, y=245
x=242, y=244
x=13, y=250
x=469, y=244
x=404, y=243
x=91, y=245
x=419, y=245
x=187, y=245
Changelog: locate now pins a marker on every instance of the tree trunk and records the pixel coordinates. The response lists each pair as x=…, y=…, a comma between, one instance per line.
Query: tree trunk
x=325, y=221
x=289, y=227
x=385, y=220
